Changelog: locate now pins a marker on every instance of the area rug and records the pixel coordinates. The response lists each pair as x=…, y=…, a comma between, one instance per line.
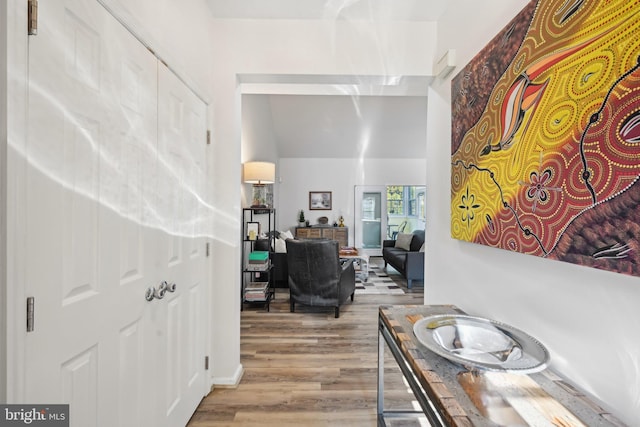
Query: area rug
x=378, y=283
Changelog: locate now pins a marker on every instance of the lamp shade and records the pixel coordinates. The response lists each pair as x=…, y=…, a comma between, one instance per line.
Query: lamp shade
x=259, y=173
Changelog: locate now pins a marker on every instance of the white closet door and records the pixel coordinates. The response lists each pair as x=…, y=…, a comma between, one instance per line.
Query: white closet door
x=97, y=232
x=181, y=180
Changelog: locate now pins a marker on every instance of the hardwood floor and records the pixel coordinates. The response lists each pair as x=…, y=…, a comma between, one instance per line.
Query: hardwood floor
x=308, y=368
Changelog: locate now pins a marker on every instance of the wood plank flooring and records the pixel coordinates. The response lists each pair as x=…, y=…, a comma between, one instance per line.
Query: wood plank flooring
x=308, y=368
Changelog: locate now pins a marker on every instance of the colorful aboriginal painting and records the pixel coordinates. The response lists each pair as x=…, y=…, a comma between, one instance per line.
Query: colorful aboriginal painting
x=545, y=148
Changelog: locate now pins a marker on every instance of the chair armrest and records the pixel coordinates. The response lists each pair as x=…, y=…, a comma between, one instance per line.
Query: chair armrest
x=347, y=284
x=345, y=265
x=388, y=243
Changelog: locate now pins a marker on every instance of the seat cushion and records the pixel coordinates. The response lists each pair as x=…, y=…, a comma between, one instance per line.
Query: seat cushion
x=396, y=257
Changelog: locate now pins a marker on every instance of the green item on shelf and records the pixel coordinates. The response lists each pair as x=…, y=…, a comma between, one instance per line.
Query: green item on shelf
x=258, y=256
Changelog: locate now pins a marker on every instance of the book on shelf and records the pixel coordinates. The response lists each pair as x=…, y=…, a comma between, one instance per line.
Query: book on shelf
x=256, y=291
x=258, y=256
x=255, y=266
x=252, y=286
x=256, y=297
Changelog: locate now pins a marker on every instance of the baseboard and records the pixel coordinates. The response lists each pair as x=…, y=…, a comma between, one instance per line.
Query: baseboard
x=228, y=382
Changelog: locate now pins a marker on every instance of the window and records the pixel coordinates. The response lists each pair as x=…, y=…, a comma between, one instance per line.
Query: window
x=406, y=201
x=413, y=202
x=422, y=207
x=395, y=200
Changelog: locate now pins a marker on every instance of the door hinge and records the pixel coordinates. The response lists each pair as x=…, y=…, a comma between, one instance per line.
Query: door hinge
x=207, y=249
x=30, y=313
x=206, y=363
x=32, y=25
x=208, y=137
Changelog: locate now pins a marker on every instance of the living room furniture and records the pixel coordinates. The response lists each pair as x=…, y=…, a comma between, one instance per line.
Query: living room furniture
x=279, y=271
x=249, y=276
x=408, y=260
x=317, y=277
x=448, y=393
x=360, y=261
x=341, y=234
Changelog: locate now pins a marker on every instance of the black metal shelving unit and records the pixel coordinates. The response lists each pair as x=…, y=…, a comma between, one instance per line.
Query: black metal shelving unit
x=256, y=215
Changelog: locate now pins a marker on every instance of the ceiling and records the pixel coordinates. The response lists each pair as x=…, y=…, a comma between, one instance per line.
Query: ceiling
x=387, y=10
x=329, y=124
x=311, y=126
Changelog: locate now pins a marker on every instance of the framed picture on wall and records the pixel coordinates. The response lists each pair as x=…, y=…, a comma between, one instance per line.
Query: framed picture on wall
x=319, y=200
x=253, y=229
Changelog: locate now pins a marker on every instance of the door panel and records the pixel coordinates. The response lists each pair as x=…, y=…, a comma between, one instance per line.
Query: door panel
x=79, y=386
x=80, y=210
x=131, y=375
x=173, y=327
x=371, y=218
x=102, y=227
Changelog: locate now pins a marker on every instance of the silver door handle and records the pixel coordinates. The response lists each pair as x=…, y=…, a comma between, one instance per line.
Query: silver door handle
x=166, y=287
x=159, y=293
x=162, y=289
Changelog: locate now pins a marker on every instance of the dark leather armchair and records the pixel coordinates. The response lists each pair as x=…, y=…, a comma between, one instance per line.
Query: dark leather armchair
x=316, y=275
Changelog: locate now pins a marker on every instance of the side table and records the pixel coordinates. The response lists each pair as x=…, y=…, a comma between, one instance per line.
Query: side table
x=361, y=259
x=452, y=395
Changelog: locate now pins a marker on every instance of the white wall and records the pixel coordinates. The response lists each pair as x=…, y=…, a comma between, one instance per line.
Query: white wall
x=587, y=318
x=324, y=47
x=3, y=197
x=340, y=176
x=258, y=138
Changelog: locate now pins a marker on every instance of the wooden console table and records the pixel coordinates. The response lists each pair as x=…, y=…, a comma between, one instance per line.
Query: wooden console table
x=542, y=398
x=341, y=234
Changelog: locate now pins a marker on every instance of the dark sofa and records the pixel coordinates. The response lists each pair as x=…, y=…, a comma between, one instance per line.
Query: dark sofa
x=409, y=263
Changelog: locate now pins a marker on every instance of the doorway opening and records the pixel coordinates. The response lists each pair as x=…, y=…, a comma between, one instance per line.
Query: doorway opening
x=384, y=211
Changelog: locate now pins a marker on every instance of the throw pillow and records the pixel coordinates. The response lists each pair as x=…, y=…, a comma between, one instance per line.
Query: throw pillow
x=286, y=235
x=421, y=248
x=403, y=241
x=281, y=246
